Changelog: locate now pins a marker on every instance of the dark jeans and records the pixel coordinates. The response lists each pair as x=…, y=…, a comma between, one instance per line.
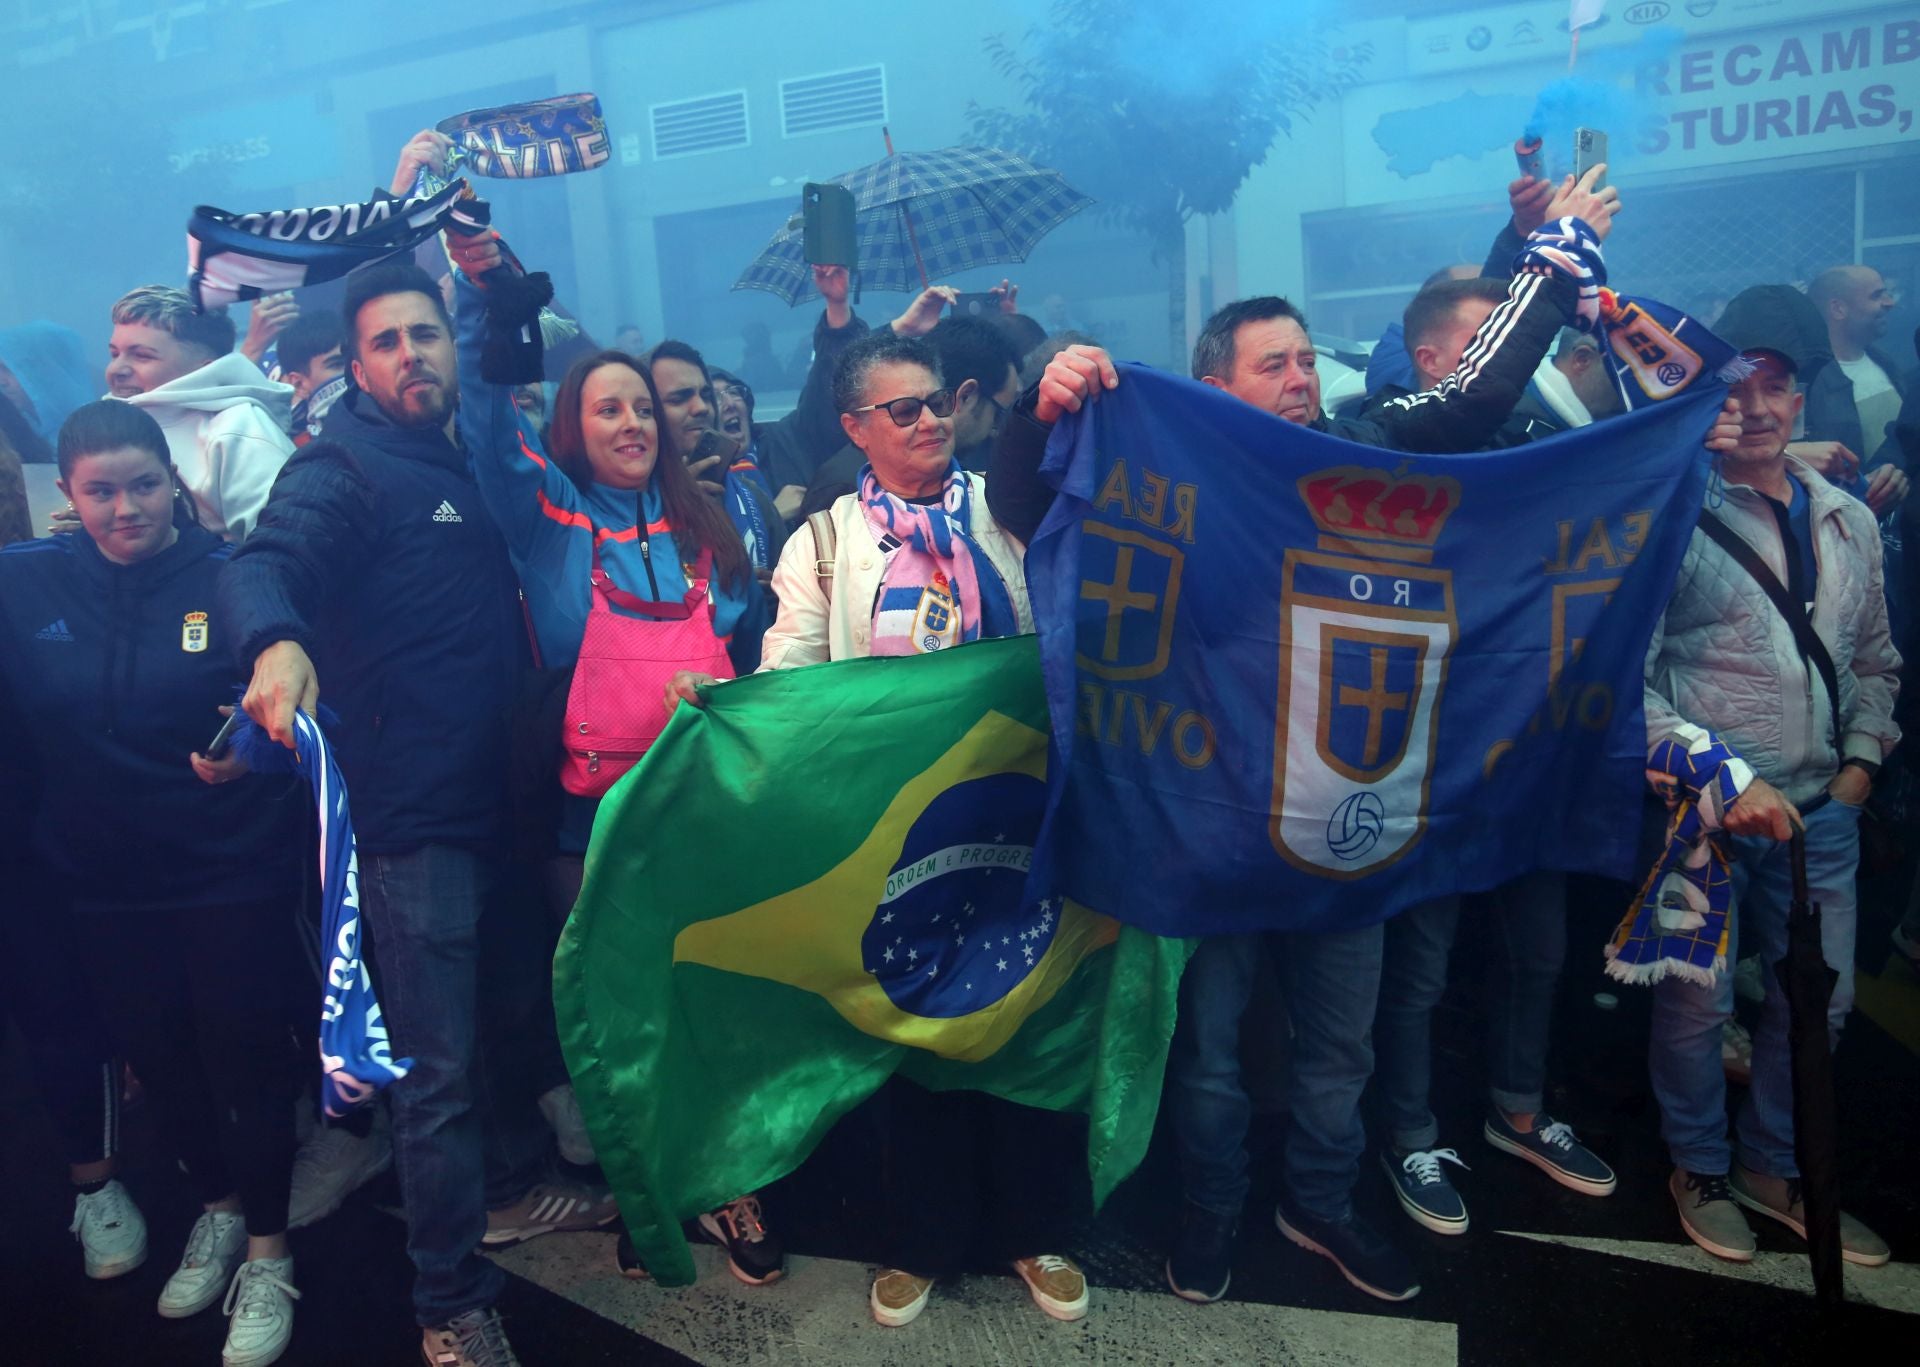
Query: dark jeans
x=1527, y=943
x=51, y=1000
x=461, y=1143
x=564, y=874
x=1330, y=981
x=201, y=1002
x=969, y=1175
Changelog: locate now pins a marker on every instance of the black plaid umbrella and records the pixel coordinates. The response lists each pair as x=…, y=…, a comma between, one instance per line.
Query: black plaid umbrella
x=1808, y=983
x=926, y=215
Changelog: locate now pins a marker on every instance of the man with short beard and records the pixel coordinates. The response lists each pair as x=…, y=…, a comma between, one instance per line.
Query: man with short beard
x=376, y=566
x=690, y=411
x=1726, y=662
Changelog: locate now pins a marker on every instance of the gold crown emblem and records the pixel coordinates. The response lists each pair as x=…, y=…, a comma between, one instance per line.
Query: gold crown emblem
x=1373, y=512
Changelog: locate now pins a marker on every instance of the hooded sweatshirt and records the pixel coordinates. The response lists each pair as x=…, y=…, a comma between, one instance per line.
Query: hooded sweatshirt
x=226, y=425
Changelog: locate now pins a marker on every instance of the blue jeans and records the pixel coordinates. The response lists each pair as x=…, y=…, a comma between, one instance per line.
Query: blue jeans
x=1527, y=921
x=1687, y=1018
x=423, y=912
x=1330, y=981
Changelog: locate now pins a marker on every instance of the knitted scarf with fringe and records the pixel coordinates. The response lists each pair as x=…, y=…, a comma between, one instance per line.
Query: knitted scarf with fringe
x=1678, y=925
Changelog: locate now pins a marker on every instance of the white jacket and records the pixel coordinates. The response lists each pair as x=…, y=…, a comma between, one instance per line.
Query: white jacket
x=1724, y=658
x=808, y=631
x=226, y=425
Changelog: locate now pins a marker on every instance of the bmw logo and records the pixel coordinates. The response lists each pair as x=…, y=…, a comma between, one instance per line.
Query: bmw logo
x=1479, y=37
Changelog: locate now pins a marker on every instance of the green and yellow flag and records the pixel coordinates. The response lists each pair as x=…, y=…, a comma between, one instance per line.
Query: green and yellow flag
x=820, y=879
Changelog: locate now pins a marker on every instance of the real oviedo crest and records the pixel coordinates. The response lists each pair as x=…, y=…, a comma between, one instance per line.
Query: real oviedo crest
x=1366, y=623
x=193, y=633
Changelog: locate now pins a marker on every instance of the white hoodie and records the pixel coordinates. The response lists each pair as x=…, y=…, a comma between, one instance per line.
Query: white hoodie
x=1556, y=390
x=226, y=425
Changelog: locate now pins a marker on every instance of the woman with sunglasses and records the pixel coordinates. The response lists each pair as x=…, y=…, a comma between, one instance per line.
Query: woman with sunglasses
x=918, y=565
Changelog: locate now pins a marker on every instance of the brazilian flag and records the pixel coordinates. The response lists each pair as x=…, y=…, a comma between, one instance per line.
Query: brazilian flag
x=821, y=879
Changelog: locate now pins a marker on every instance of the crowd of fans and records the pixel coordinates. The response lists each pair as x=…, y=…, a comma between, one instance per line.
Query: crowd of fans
x=441, y=561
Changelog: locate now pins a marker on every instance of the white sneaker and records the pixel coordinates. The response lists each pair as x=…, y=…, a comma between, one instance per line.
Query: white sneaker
x=332, y=1165
x=260, y=1305
x=111, y=1231
x=214, y=1248
x=562, y=1110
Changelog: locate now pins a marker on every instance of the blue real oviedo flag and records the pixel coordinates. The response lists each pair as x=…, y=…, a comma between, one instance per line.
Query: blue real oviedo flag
x=356, y=1062
x=1298, y=683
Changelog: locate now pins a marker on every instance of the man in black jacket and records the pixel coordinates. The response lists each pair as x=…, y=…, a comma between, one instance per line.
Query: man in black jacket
x=375, y=565
x=790, y=450
x=1855, y=304
x=1258, y=350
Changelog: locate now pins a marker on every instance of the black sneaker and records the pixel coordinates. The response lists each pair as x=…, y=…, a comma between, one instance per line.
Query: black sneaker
x=1552, y=1147
x=628, y=1261
x=753, y=1255
x=1202, y=1261
x=1363, y=1256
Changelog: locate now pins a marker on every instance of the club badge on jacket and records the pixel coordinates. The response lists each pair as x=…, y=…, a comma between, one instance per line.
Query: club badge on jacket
x=193, y=633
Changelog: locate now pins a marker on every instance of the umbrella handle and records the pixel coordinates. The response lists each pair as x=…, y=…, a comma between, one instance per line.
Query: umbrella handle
x=1797, y=855
x=906, y=217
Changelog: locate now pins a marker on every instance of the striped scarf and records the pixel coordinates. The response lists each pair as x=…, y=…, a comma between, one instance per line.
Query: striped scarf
x=1652, y=350
x=356, y=1061
x=1678, y=925
x=938, y=589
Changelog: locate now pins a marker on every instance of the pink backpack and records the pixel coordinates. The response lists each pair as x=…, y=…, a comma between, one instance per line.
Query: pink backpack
x=616, y=706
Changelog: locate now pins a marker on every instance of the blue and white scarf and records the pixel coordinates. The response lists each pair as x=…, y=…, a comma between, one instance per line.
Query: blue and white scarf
x=744, y=508
x=243, y=256
x=356, y=1061
x=1678, y=925
x=1652, y=350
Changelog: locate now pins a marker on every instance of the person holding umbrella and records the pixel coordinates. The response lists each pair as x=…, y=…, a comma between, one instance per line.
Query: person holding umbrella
x=1774, y=647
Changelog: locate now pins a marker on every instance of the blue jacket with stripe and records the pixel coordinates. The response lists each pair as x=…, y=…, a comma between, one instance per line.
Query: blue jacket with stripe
x=110, y=676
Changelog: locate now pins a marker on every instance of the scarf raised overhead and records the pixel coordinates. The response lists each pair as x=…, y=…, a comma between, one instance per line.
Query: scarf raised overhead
x=938, y=589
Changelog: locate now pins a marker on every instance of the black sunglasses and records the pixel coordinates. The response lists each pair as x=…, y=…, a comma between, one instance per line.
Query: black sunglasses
x=906, y=412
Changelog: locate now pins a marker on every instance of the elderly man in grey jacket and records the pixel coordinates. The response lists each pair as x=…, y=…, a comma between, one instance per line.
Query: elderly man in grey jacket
x=1726, y=658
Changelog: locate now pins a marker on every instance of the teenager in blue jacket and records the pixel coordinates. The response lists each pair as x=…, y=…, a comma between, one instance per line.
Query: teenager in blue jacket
x=181, y=871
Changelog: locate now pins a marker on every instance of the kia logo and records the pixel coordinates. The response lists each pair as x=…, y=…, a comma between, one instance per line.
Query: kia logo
x=1648, y=12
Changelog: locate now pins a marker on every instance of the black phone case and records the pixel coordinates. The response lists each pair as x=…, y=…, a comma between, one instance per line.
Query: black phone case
x=827, y=225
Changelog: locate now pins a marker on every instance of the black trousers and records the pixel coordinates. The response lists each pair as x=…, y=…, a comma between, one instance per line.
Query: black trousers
x=972, y=1179
x=203, y=1003
x=51, y=1001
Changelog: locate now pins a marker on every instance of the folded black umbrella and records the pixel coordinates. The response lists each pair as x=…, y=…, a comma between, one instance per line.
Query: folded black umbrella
x=1808, y=983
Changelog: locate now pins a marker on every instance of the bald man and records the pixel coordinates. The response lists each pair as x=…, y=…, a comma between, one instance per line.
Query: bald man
x=1855, y=304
